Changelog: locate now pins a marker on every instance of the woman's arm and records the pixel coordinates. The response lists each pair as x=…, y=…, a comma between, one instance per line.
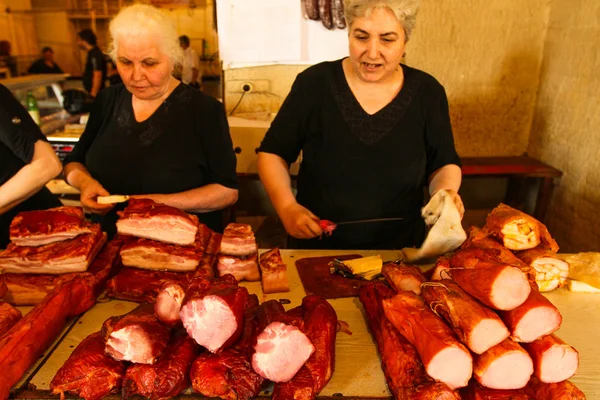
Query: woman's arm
x=204, y=199
x=298, y=221
x=77, y=175
x=449, y=177
x=43, y=167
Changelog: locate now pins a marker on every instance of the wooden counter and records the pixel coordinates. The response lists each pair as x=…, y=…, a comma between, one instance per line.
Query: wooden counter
x=358, y=370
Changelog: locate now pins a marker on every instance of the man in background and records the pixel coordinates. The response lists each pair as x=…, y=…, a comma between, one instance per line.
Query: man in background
x=45, y=64
x=190, y=70
x=94, y=74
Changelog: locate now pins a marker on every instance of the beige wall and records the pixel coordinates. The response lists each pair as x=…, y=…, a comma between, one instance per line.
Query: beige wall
x=487, y=53
x=17, y=26
x=55, y=30
x=566, y=131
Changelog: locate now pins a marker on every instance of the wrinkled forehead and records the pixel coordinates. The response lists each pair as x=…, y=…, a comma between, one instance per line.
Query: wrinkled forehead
x=140, y=47
x=376, y=21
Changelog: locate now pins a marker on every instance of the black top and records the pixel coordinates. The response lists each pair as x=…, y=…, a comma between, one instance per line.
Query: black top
x=358, y=166
x=184, y=145
x=40, y=67
x=18, y=134
x=95, y=62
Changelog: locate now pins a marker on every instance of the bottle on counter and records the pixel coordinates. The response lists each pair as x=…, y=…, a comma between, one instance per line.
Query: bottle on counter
x=32, y=107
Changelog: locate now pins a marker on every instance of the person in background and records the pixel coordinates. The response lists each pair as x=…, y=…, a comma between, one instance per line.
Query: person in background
x=190, y=68
x=27, y=163
x=153, y=137
x=94, y=73
x=45, y=64
x=372, y=132
x=6, y=60
x=111, y=72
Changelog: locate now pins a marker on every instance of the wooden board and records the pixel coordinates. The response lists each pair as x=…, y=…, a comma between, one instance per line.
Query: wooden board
x=358, y=371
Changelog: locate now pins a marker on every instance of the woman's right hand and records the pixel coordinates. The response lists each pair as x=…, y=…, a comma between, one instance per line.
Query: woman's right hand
x=90, y=190
x=299, y=222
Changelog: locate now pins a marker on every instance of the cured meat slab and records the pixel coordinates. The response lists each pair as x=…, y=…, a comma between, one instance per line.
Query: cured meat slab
x=166, y=378
x=477, y=392
x=274, y=277
x=564, y=390
x=213, y=312
x=31, y=289
x=89, y=372
x=138, y=336
x=168, y=303
x=478, y=327
x=37, y=228
x=504, y=366
x=403, y=277
x=8, y=317
x=238, y=240
x=72, y=255
x=243, y=268
x=146, y=219
x=23, y=344
x=318, y=280
x=154, y=255
x=517, y=230
x=229, y=374
x=553, y=360
x=444, y=357
x=401, y=364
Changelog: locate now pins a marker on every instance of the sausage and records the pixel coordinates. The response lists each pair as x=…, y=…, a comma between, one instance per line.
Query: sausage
x=168, y=303
x=325, y=13
x=445, y=358
x=504, y=366
x=403, y=277
x=437, y=272
x=553, y=360
x=564, y=390
x=533, y=319
x=312, y=9
x=478, y=327
x=499, y=286
x=337, y=11
x=8, y=317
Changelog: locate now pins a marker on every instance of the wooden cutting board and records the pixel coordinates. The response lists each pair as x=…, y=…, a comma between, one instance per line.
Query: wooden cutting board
x=316, y=279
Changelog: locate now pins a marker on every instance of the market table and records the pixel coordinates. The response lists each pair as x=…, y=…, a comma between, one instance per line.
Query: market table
x=358, y=371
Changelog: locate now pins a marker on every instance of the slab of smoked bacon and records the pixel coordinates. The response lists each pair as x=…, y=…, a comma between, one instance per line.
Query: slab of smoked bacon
x=36, y=228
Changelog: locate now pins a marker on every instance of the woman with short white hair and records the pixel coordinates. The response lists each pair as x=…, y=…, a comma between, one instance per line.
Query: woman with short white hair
x=153, y=137
x=372, y=132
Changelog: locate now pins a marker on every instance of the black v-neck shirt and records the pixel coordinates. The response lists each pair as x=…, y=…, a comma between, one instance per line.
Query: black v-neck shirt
x=359, y=166
x=184, y=144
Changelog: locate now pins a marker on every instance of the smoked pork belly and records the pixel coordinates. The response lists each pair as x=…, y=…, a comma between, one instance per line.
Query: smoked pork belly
x=238, y=240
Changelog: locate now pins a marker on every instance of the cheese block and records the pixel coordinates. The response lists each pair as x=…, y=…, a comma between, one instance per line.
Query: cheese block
x=365, y=267
x=581, y=287
x=585, y=267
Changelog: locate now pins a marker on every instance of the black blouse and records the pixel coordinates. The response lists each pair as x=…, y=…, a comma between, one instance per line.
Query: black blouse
x=18, y=134
x=360, y=166
x=184, y=145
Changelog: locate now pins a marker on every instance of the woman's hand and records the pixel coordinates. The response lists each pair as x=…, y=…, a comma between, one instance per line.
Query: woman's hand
x=90, y=190
x=299, y=222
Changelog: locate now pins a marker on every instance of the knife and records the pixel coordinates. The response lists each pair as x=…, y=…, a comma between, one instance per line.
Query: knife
x=366, y=221
x=112, y=199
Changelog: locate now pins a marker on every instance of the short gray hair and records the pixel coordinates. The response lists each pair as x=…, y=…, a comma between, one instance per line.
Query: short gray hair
x=144, y=20
x=405, y=10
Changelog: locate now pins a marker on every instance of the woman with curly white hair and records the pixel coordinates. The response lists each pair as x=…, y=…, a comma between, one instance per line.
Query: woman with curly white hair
x=153, y=137
x=372, y=133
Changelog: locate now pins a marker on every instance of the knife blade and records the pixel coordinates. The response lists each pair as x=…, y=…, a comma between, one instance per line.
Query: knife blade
x=366, y=221
x=112, y=199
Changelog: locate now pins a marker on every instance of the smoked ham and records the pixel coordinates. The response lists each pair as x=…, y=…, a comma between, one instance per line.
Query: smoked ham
x=551, y=271
x=72, y=255
x=213, y=312
x=273, y=272
x=478, y=327
x=281, y=347
x=238, y=240
x=403, y=277
x=168, y=303
x=168, y=377
x=144, y=218
x=553, y=360
x=154, y=255
x=499, y=286
x=138, y=336
x=444, y=357
x=8, y=317
x=504, y=366
x=564, y=390
x=23, y=344
x=37, y=228
x=229, y=374
x=535, y=318
x=89, y=372
x=401, y=364
x=517, y=230
x=242, y=268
